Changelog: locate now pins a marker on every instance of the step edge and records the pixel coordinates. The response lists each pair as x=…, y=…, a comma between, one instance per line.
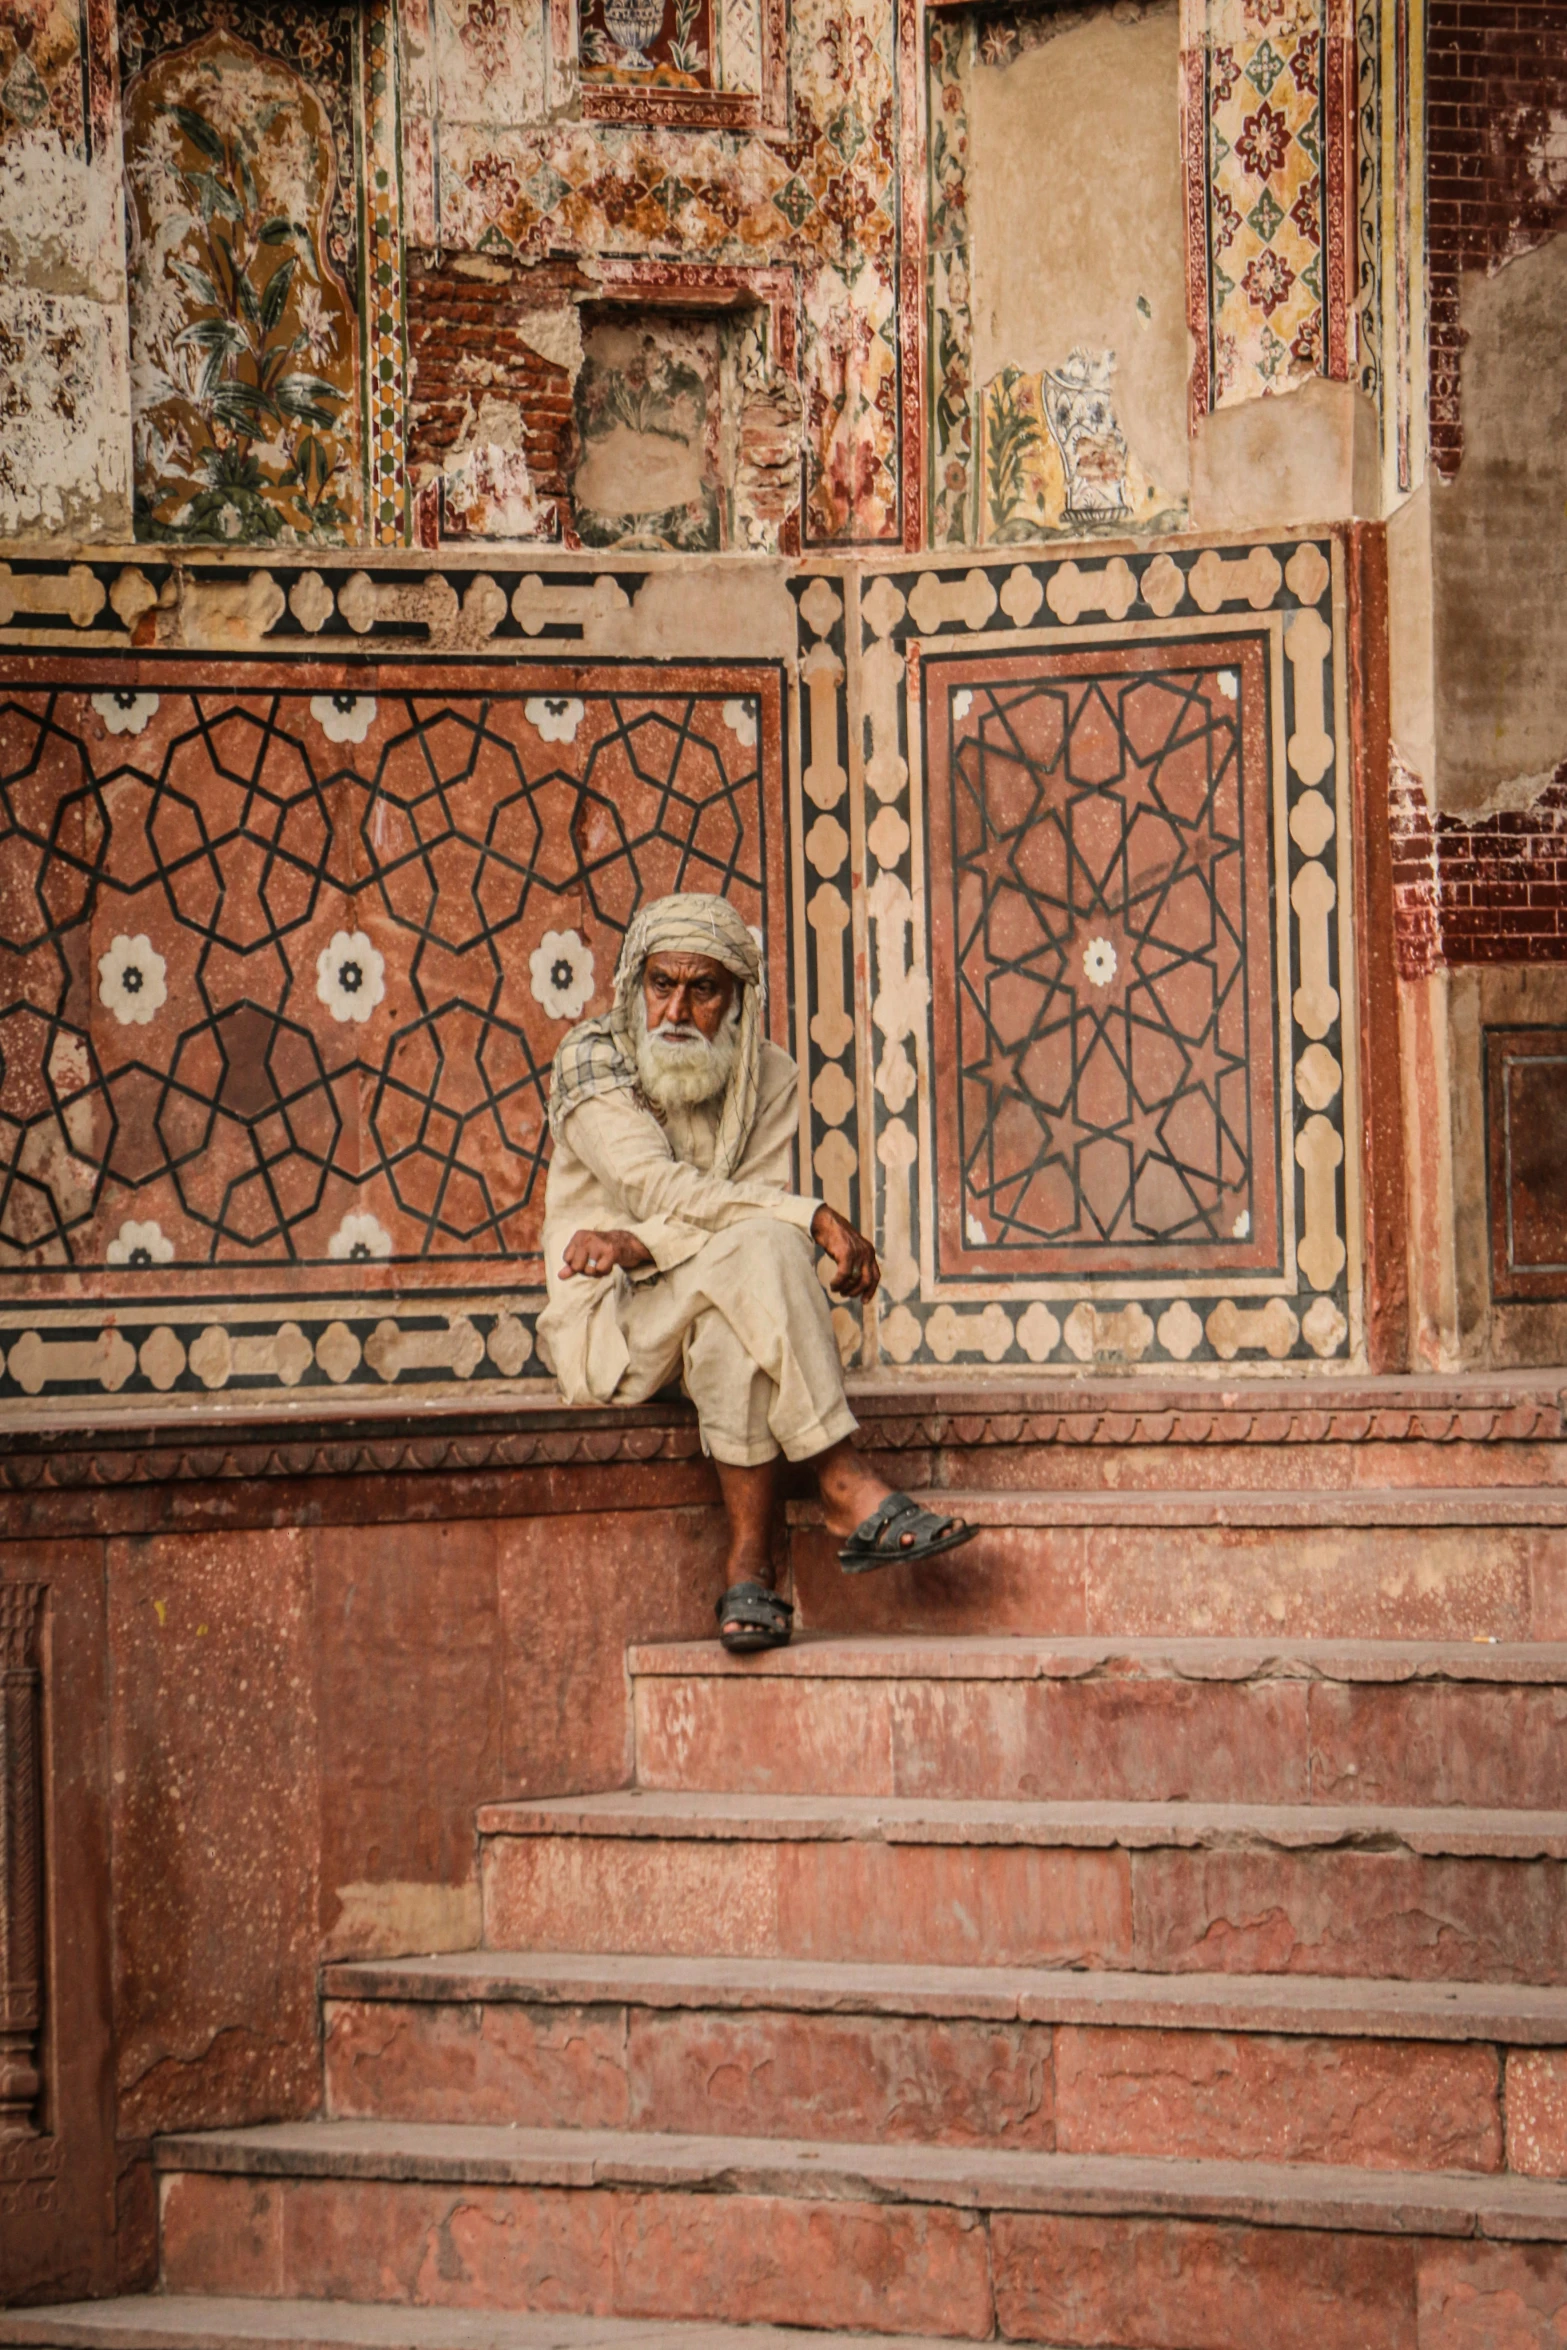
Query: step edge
x=1330, y=1508
x=150, y=2321
x=830, y=1656
x=1423, y=1832
x=1269, y=2194
x=1280, y=2006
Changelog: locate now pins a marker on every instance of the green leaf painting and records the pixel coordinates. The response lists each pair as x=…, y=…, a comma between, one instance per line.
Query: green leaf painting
x=244, y=435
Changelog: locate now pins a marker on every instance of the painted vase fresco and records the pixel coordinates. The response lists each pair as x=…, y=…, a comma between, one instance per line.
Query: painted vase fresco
x=1057, y=461
x=244, y=331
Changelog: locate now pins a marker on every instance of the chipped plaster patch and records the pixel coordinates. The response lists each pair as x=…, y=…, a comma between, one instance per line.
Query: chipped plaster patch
x=61, y=228
x=65, y=457
x=556, y=335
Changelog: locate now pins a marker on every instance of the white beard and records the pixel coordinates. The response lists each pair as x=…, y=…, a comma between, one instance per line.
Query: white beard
x=680, y=1067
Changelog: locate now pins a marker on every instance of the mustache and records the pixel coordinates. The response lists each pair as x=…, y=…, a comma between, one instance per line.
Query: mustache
x=676, y=1032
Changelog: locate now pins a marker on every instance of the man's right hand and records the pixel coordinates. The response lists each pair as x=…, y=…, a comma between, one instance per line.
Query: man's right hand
x=601, y=1252
x=858, y=1273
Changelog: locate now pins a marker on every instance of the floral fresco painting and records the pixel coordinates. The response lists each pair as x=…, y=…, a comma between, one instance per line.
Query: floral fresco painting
x=646, y=421
x=243, y=326
x=1056, y=461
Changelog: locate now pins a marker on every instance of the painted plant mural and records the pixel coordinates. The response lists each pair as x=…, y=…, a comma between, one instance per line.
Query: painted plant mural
x=243, y=327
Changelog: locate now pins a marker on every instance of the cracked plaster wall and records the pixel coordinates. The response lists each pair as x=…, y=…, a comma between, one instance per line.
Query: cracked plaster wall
x=1499, y=544
x=64, y=370
x=1076, y=211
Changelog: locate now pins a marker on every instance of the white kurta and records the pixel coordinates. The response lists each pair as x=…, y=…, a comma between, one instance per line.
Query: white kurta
x=731, y=1299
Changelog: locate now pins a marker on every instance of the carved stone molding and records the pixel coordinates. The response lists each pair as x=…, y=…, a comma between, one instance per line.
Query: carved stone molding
x=1371, y=1412
x=21, y=1859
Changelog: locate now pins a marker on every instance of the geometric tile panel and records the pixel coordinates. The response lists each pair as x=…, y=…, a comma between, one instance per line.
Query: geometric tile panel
x=286, y=950
x=1102, y=1082
x=272, y=944
x=1101, y=962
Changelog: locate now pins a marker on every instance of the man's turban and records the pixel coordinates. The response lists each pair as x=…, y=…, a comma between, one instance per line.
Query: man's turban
x=600, y=1056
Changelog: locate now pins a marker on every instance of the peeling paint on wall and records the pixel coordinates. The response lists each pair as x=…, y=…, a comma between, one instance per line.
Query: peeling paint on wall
x=64, y=382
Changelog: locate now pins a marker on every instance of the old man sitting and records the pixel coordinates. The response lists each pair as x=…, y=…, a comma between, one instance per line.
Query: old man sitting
x=674, y=1244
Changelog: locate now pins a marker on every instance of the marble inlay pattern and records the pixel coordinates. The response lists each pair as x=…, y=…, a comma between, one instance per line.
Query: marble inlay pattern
x=1052, y=858
x=1108, y=902
x=288, y=948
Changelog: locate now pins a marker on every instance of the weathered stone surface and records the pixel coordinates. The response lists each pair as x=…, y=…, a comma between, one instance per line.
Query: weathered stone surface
x=502, y=2062
x=462, y=2247
x=581, y=1894
x=1149, y=2284
x=411, y=1681
x=1537, y=2112
x=213, y=1741
x=1237, y=1582
x=1352, y=1913
x=1141, y=1739
x=1440, y=1745
x=950, y=1905
x=874, y=2079
x=755, y=2259
x=1492, y=2297
x=772, y=2260
x=1386, y=2104
x=568, y=1724
x=222, y=2235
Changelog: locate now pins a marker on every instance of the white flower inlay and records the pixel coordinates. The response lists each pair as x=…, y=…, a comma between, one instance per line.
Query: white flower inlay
x=1229, y=684
x=561, y=971
x=1099, y=964
x=556, y=716
x=1241, y=1228
x=350, y=975
x=132, y=980
x=358, y=1238
x=343, y=718
x=962, y=704
x=740, y=718
x=139, y=1244
x=123, y=710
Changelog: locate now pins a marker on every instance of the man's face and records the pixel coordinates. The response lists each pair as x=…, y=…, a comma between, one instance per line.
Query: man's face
x=686, y=992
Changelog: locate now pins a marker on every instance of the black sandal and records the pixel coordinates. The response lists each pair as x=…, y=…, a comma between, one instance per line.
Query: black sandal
x=766, y=1619
x=878, y=1541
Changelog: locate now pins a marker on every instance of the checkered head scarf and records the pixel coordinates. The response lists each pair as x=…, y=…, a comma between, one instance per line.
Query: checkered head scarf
x=600, y=1056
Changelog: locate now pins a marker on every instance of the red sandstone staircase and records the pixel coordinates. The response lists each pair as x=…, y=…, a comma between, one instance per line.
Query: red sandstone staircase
x=1001, y=1959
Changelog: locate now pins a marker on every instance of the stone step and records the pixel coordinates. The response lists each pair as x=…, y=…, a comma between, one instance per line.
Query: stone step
x=1136, y=1720
x=200, y=2321
x=1443, y=1563
x=1392, y=2076
x=1334, y=1889
x=1060, y=2249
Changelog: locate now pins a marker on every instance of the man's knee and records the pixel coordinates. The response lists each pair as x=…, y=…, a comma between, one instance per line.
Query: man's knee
x=759, y=1246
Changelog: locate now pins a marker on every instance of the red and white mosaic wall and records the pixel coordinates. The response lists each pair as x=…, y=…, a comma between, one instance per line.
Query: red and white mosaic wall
x=292, y=926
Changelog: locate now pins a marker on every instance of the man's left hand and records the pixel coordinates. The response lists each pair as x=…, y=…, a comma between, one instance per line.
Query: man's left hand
x=858, y=1273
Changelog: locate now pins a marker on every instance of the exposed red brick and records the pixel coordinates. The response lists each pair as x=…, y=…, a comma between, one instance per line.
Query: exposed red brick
x=465, y=340
x=1491, y=891
x=1494, y=79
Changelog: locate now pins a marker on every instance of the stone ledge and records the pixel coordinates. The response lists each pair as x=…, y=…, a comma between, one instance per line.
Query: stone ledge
x=904, y=1414
x=815, y=1656
x=1130, y=1827
x=1293, y=2195
x=195, y=2321
x=1514, y=2014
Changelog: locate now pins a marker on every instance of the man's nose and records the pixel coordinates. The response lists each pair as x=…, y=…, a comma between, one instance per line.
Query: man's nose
x=679, y=1012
